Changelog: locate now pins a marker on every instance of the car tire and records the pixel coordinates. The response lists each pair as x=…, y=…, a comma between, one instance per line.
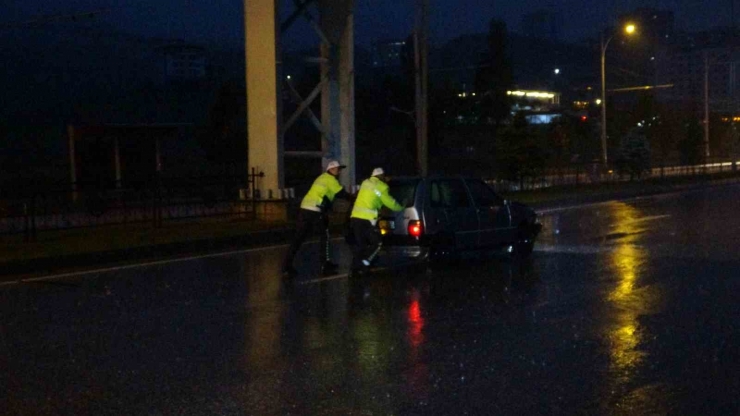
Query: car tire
x=443, y=251
x=524, y=244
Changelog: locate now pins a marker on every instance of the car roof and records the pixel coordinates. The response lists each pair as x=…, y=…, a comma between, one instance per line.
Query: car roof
x=433, y=176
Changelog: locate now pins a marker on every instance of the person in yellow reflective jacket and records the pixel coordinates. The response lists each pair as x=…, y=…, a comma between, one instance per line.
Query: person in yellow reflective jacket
x=372, y=197
x=314, y=214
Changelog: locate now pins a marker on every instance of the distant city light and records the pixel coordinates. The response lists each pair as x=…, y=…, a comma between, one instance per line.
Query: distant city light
x=288, y=77
x=557, y=71
x=533, y=94
x=598, y=101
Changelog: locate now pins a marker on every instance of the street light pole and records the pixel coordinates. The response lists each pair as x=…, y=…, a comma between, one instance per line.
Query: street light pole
x=603, y=98
x=629, y=29
x=421, y=64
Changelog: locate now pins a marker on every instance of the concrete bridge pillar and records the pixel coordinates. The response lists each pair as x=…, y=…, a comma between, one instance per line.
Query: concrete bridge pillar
x=263, y=80
x=263, y=88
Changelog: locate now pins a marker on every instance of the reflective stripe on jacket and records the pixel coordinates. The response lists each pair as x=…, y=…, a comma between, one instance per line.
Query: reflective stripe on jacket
x=326, y=185
x=373, y=195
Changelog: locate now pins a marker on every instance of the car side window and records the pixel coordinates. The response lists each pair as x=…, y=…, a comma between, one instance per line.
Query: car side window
x=449, y=194
x=483, y=195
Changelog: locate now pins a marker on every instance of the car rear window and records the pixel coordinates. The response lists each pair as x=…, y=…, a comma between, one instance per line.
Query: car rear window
x=403, y=191
x=449, y=193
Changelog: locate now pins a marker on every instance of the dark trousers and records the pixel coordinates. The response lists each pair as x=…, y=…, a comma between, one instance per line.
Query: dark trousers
x=308, y=222
x=367, y=241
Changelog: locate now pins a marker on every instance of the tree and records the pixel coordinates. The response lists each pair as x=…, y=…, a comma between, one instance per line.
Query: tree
x=494, y=78
x=690, y=147
x=519, y=155
x=223, y=138
x=572, y=138
x=633, y=157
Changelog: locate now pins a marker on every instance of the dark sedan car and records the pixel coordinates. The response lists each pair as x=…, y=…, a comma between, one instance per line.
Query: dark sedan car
x=445, y=215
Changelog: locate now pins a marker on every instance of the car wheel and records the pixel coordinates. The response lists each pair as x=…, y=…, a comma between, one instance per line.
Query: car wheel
x=443, y=251
x=524, y=244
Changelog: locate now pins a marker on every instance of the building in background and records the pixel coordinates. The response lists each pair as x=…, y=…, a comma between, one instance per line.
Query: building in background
x=701, y=63
x=84, y=74
x=568, y=71
x=182, y=61
x=387, y=53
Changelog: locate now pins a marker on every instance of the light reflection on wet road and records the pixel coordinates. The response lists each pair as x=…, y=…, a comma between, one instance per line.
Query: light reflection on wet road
x=625, y=308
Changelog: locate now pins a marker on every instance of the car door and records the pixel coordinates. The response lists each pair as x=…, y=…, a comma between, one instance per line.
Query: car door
x=493, y=214
x=453, y=211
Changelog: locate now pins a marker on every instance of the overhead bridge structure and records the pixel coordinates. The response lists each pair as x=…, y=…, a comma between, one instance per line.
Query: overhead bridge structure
x=264, y=81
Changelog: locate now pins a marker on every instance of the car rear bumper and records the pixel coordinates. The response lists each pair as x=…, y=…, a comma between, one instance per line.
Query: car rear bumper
x=404, y=246
x=413, y=252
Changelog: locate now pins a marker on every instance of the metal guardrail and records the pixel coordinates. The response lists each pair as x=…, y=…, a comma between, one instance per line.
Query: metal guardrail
x=591, y=174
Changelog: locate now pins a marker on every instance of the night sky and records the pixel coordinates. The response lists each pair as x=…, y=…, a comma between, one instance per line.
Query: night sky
x=221, y=20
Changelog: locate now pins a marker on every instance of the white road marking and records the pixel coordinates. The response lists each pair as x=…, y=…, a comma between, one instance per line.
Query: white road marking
x=150, y=263
x=138, y=265
x=324, y=279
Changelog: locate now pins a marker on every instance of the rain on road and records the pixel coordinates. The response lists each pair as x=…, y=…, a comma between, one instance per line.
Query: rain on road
x=625, y=307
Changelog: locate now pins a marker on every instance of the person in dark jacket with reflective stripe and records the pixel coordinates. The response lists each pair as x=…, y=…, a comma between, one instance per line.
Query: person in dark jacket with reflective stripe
x=314, y=215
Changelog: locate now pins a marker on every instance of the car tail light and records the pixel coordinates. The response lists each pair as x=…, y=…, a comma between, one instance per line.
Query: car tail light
x=415, y=228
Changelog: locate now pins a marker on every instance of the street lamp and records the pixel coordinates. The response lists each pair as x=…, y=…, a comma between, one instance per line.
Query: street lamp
x=628, y=29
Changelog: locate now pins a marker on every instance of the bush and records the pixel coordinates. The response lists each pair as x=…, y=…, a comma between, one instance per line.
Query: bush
x=633, y=158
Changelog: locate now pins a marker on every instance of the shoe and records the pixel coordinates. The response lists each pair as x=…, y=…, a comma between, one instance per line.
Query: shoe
x=368, y=263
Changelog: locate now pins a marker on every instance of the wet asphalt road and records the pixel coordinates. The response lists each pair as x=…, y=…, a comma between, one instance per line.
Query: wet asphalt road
x=625, y=308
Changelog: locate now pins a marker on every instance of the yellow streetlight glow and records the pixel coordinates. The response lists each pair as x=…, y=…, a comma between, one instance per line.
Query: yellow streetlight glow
x=630, y=29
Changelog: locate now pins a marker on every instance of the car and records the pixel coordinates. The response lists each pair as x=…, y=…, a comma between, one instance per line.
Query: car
x=447, y=215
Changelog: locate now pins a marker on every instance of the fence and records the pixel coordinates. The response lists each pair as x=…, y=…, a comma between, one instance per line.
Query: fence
x=577, y=174
x=28, y=210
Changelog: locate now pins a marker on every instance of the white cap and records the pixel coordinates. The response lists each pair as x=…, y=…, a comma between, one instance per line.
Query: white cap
x=334, y=164
x=377, y=172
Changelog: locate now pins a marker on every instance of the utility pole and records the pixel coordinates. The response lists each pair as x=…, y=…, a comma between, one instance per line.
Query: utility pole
x=706, y=106
x=422, y=71
x=603, y=101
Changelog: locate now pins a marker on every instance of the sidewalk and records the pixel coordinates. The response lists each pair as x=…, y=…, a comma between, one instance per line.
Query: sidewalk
x=107, y=246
